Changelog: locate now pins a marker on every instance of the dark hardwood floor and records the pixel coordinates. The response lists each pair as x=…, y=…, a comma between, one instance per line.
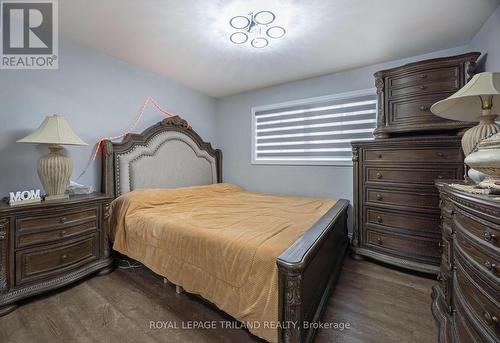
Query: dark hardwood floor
x=380, y=305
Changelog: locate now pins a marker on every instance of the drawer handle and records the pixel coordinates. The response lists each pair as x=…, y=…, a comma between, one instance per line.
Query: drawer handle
x=423, y=76
x=424, y=108
x=440, y=177
x=423, y=87
x=379, y=155
x=440, y=154
x=64, y=257
x=62, y=220
x=379, y=241
x=490, y=266
x=379, y=219
x=379, y=197
x=379, y=175
x=440, y=244
x=62, y=233
x=488, y=236
x=489, y=318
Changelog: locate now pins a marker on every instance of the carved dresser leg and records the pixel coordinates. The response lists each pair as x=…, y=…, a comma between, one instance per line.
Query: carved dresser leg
x=357, y=257
x=105, y=271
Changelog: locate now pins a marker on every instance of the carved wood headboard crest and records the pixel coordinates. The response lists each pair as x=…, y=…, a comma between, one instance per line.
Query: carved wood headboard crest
x=168, y=154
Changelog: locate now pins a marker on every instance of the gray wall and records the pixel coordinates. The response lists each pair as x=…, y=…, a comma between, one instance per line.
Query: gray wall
x=487, y=41
x=98, y=94
x=234, y=134
x=233, y=115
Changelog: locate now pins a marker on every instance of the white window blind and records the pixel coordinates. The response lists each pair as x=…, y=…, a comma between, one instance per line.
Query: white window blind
x=313, y=131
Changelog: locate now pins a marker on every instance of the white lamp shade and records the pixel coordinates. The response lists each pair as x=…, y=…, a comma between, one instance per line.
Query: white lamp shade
x=465, y=105
x=54, y=130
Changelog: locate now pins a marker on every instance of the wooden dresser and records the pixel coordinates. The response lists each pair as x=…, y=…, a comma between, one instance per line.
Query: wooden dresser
x=466, y=302
x=395, y=199
x=397, y=212
x=48, y=245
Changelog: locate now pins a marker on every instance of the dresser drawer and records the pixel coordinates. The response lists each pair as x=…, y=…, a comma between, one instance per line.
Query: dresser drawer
x=462, y=324
x=485, y=231
x=62, y=232
x=483, y=306
x=424, y=77
x=47, y=221
x=402, y=198
x=415, y=223
x=414, y=155
x=408, y=175
x=488, y=260
x=414, y=111
x=35, y=263
x=423, y=82
x=404, y=245
x=445, y=86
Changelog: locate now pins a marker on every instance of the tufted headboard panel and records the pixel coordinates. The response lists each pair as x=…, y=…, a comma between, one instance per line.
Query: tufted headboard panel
x=167, y=155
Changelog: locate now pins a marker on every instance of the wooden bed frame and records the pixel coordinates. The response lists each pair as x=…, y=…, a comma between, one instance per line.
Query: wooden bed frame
x=308, y=269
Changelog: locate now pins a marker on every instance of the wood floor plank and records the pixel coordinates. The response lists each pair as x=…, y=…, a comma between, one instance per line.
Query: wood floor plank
x=381, y=305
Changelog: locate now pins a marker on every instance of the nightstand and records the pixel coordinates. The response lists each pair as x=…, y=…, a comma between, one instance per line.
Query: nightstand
x=50, y=244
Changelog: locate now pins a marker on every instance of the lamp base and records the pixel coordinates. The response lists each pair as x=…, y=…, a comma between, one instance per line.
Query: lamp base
x=487, y=127
x=54, y=171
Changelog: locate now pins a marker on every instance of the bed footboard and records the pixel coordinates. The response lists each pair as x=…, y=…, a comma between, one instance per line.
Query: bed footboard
x=308, y=271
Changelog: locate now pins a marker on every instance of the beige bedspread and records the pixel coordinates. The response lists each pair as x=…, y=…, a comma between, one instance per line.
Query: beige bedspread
x=217, y=241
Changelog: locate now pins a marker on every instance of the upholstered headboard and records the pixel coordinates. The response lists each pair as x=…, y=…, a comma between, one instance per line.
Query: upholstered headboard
x=169, y=154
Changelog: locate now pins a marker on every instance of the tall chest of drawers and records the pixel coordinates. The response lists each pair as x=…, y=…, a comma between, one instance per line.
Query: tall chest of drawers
x=396, y=209
x=395, y=199
x=466, y=301
x=48, y=245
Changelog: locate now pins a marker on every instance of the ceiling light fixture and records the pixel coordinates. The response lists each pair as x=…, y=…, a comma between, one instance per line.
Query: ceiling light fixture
x=256, y=28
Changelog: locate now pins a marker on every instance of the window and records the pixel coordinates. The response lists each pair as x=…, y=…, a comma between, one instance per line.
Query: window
x=314, y=131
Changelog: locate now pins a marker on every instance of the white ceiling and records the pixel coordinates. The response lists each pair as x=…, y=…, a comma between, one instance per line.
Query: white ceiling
x=187, y=40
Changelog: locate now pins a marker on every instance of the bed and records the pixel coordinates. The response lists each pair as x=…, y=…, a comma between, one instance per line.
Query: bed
x=170, y=158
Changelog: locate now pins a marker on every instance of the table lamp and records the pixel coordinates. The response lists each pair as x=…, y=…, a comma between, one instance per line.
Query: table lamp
x=54, y=169
x=477, y=101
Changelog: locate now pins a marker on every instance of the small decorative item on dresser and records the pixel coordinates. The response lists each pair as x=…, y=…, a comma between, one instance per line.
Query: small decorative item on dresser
x=54, y=169
x=24, y=197
x=48, y=245
x=476, y=101
x=466, y=301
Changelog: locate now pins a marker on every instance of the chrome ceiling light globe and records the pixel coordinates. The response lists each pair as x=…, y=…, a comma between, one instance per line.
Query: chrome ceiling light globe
x=239, y=22
x=238, y=37
x=264, y=17
x=275, y=32
x=259, y=42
